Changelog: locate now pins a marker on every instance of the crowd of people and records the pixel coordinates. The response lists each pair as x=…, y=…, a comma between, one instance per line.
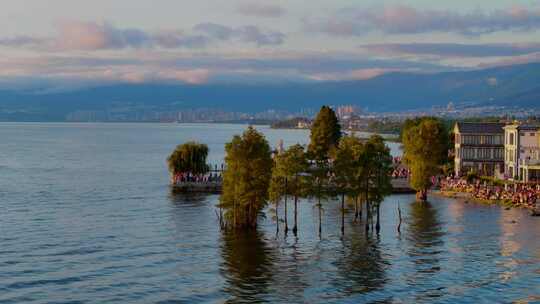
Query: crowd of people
x=186, y=177
x=519, y=194
x=399, y=171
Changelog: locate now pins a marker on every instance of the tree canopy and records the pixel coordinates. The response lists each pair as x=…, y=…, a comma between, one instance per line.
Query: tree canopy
x=246, y=178
x=325, y=134
x=425, y=149
x=290, y=164
x=189, y=157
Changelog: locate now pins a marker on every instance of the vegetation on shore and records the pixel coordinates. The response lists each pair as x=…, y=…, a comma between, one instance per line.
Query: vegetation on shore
x=189, y=157
x=425, y=151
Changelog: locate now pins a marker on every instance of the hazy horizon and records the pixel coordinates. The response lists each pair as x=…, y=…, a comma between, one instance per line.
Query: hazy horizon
x=73, y=43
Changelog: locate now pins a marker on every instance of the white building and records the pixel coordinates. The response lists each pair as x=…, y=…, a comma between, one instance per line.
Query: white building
x=522, y=152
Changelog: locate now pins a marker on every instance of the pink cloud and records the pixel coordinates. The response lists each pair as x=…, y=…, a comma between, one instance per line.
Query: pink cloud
x=402, y=19
x=357, y=74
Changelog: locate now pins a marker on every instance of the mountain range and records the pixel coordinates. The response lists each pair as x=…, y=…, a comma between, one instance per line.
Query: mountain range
x=515, y=85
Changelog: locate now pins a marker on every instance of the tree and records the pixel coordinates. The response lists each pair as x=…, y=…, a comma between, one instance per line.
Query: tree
x=324, y=137
x=374, y=180
x=246, y=179
x=288, y=178
x=325, y=134
x=189, y=157
x=381, y=168
x=345, y=170
x=425, y=149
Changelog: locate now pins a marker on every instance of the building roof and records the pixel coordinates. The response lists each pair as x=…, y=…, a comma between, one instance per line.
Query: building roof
x=524, y=127
x=480, y=127
x=529, y=127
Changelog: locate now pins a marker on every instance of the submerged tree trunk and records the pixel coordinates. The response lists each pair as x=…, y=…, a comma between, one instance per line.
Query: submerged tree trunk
x=368, y=215
x=399, y=213
x=356, y=208
x=320, y=218
x=360, y=211
x=277, y=217
x=295, y=228
x=378, y=225
x=286, y=221
x=422, y=195
x=342, y=214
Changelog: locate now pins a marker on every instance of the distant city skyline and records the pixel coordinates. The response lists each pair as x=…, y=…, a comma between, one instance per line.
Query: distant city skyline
x=65, y=43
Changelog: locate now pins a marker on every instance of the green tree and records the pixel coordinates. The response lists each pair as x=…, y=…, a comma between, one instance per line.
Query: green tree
x=188, y=157
x=346, y=171
x=325, y=134
x=246, y=179
x=324, y=137
x=288, y=178
x=380, y=173
x=425, y=149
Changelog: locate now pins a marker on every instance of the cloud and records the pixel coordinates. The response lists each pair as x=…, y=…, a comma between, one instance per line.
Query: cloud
x=93, y=36
x=358, y=74
x=196, y=76
x=260, y=9
x=20, y=41
x=401, y=19
x=248, y=34
x=454, y=49
x=76, y=35
x=197, y=67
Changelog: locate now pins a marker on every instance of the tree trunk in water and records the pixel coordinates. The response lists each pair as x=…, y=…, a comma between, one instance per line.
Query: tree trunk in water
x=421, y=195
x=320, y=218
x=295, y=228
x=356, y=208
x=360, y=212
x=368, y=214
x=399, y=213
x=378, y=225
x=286, y=224
x=235, y=223
x=342, y=214
x=286, y=221
x=277, y=217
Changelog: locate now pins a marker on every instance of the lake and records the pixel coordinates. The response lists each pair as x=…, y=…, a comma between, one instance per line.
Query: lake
x=87, y=216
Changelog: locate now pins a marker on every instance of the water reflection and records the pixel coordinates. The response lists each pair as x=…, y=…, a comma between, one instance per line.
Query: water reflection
x=362, y=266
x=181, y=197
x=247, y=266
x=425, y=235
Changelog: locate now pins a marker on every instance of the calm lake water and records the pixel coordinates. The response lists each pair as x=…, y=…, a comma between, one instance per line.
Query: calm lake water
x=87, y=217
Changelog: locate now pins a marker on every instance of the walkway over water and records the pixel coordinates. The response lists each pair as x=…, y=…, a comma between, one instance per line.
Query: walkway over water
x=399, y=185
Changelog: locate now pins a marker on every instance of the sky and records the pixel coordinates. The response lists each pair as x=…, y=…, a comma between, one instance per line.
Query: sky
x=74, y=42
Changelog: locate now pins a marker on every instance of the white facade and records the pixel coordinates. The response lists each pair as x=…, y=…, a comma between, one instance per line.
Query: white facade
x=522, y=152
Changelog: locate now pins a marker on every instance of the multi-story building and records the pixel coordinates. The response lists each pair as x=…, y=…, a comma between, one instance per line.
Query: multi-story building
x=522, y=152
x=479, y=148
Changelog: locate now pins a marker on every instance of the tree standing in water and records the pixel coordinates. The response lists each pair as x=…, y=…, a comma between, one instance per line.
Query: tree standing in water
x=246, y=179
x=380, y=173
x=324, y=137
x=345, y=171
x=289, y=166
x=425, y=149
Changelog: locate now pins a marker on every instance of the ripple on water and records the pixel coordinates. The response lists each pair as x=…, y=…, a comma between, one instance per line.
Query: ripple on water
x=94, y=222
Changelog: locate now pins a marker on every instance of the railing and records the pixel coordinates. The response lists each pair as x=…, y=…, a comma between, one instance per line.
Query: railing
x=530, y=162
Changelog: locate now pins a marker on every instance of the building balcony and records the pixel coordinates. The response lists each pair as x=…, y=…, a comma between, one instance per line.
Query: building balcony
x=529, y=162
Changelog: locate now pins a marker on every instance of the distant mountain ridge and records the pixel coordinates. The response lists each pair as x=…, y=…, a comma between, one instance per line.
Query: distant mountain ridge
x=517, y=85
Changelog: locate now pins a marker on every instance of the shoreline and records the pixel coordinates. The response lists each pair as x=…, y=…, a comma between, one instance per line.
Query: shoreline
x=466, y=197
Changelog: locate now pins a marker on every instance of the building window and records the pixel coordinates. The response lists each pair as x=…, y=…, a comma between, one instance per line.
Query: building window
x=511, y=138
